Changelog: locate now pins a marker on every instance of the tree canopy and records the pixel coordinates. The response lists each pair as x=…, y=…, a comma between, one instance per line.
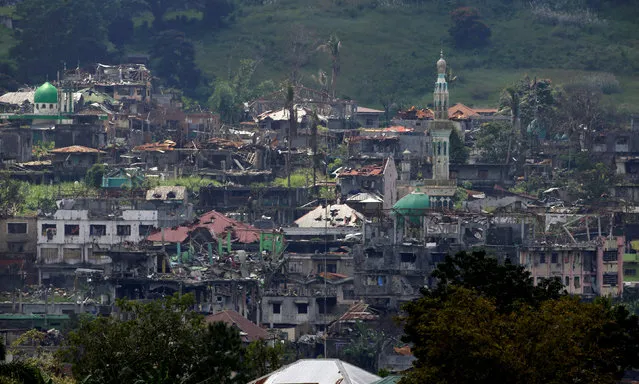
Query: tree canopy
x=488, y=323
x=162, y=341
x=54, y=32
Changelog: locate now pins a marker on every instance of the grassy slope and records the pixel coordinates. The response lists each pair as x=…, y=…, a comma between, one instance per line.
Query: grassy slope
x=413, y=36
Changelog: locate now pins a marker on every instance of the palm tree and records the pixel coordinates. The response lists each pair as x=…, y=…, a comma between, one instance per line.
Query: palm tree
x=332, y=46
x=510, y=100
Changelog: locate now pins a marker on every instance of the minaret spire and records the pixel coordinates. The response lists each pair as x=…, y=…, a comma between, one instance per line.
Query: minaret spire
x=440, y=95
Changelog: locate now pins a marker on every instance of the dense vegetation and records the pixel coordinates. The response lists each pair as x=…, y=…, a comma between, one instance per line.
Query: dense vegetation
x=386, y=55
x=488, y=323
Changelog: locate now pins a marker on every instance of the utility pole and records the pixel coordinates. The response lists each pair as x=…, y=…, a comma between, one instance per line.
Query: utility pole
x=326, y=212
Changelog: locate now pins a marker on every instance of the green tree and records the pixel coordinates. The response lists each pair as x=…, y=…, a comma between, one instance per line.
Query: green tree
x=488, y=323
x=173, y=60
x=223, y=101
x=261, y=358
x=468, y=31
x=93, y=177
x=597, y=180
x=162, y=341
x=458, y=151
x=60, y=31
x=492, y=142
x=12, y=196
x=365, y=345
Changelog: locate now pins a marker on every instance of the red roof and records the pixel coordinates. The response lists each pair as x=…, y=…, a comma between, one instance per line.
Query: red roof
x=461, y=111
x=249, y=330
x=398, y=128
x=216, y=223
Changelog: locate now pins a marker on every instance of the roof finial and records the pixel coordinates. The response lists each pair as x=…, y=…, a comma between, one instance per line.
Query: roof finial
x=441, y=53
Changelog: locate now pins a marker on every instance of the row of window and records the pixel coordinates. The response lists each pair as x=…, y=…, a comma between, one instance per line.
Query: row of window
x=50, y=230
x=554, y=257
x=43, y=106
x=302, y=308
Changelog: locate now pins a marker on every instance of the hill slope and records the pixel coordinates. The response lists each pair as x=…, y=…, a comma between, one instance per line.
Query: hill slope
x=389, y=47
x=393, y=49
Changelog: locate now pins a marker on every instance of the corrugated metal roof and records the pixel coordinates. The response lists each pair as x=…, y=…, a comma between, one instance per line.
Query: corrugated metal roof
x=318, y=371
x=339, y=215
x=359, y=311
x=389, y=380
x=370, y=170
x=76, y=149
x=368, y=110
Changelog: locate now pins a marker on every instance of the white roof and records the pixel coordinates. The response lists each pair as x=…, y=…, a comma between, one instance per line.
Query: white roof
x=318, y=371
x=17, y=98
x=366, y=197
x=339, y=215
x=368, y=110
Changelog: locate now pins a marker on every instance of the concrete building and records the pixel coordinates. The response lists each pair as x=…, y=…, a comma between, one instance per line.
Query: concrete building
x=72, y=239
x=586, y=269
x=17, y=251
x=381, y=179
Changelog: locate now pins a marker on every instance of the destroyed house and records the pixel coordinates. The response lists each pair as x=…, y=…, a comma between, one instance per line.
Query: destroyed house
x=74, y=161
x=126, y=82
x=216, y=224
x=381, y=179
x=388, y=275
x=279, y=203
x=315, y=297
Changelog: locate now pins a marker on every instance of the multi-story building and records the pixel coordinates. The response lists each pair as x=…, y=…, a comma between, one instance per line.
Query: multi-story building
x=74, y=238
x=17, y=251
x=586, y=269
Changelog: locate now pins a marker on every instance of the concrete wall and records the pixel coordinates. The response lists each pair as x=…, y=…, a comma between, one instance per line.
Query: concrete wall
x=28, y=238
x=76, y=247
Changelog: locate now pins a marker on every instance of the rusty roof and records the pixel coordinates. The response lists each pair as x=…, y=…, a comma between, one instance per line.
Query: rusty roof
x=160, y=146
x=225, y=143
x=369, y=170
x=76, y=149
x=359, y=311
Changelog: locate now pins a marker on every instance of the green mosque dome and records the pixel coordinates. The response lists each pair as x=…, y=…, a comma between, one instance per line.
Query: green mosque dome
x=412, y=205
x=46, y=94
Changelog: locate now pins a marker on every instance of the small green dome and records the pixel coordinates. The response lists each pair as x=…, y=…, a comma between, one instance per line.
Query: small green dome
x=412, y=204
x=46, y=94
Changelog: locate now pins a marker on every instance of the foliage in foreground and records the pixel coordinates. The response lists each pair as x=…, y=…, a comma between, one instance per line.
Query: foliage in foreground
x=488, y=323
x=163, y=341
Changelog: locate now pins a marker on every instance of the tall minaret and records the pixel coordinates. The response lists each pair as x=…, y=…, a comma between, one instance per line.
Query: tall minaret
x=441, y=90
x=441, y=127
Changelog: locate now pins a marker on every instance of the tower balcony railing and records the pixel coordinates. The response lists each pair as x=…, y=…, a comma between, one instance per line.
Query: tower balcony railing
x=439, y=183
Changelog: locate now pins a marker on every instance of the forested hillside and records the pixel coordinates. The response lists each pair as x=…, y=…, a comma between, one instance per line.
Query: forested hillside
x=386, y=53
